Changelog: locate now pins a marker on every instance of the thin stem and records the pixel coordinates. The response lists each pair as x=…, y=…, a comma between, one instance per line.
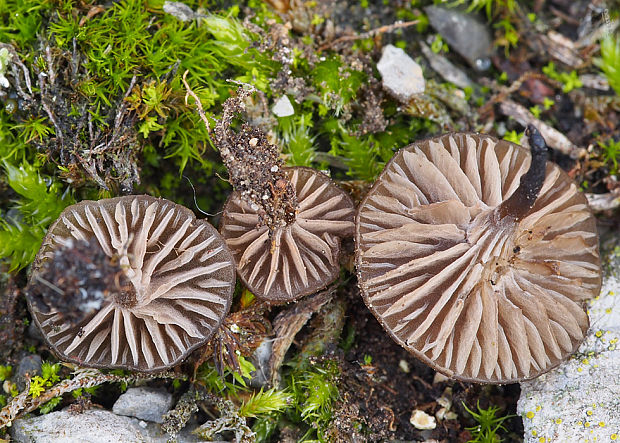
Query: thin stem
x=523, y=199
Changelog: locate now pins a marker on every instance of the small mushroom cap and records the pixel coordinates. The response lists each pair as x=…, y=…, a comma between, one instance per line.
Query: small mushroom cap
x=182, y=278
x=304, y=255
x=477, y=297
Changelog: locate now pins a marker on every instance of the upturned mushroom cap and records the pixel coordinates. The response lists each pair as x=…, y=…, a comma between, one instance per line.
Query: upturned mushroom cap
x=181, y=276
x=466, y=270
x=301, y=257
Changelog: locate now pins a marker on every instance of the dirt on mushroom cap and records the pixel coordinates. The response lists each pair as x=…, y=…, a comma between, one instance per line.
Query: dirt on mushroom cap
x=477, y=298
x=303, y=257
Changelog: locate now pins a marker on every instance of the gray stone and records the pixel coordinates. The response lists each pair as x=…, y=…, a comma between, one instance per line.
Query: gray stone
x=580, y=400
x=28, y=365
x=144, y=403
x=445, y=68
x=464, y=33
x=92, y=426
x=261, y=378
x=402, y=76
x=283, y=107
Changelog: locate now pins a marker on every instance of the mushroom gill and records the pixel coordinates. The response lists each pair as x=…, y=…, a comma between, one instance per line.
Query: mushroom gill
x=478, y=259
x=173, y=286
x=299, y=258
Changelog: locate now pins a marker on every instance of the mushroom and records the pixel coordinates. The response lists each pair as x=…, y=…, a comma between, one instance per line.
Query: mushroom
x=478, y=257
x=299, y=258
x=172, y=291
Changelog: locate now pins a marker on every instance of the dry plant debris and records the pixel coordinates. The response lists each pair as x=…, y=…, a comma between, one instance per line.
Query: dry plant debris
x=105, y=152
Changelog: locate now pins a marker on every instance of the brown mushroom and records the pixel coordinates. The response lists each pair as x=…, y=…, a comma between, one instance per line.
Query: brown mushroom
x=476, y=261
x=172, y=292
x=299, y=258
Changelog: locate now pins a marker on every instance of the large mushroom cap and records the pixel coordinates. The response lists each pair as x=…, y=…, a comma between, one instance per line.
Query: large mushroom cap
x=301, y=257
x=475, y=292
x=181, y=277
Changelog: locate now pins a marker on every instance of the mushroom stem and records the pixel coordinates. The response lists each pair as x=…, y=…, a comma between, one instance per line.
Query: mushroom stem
x=523, y=199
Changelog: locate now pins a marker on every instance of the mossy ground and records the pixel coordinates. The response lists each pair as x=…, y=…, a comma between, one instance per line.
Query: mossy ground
x=95, y=107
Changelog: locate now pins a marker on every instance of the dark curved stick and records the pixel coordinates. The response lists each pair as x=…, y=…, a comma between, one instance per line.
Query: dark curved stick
x=523, y=199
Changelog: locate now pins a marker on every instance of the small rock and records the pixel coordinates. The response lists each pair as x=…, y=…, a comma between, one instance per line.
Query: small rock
x=404, y=366
x=144, y=403
x=445, y=68
x=94, y=426
x=421, y=420
x=402, y=76
x=180, y=11
x=464, y=34
x=262, y=376
x=283, y=107
x=28, y=365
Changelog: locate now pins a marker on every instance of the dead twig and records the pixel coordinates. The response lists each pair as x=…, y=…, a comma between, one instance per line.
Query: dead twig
x=191, y=93
x=371, y=33
x=552, y=136
x=289, y=322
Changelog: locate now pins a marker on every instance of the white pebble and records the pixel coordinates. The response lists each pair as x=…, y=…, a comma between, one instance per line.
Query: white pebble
x=421, y=420
x=402, y=76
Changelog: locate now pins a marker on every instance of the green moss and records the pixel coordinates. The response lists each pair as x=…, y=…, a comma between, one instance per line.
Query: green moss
x=611, y=154
x=135, y=36
x=21, y=20
x=610, y=60
x=315, y=391
x=570, y=80
x=5, y=372
x=37, y=206
x=489, y=426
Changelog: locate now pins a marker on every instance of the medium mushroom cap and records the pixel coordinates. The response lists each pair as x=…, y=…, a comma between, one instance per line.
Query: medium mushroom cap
x=474, y=291
x=301, y=257
x=179, y=273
